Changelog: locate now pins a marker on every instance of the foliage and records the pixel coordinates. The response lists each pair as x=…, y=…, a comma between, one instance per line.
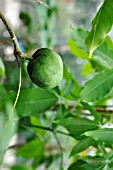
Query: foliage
x=69, y=116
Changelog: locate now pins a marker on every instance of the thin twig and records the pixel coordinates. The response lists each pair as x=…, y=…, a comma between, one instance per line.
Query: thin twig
x=18, y=93
x=60, y=147
x=17, y=51
x=40, y=127
x=63, y=133
x=40, y=2
x=48, y=129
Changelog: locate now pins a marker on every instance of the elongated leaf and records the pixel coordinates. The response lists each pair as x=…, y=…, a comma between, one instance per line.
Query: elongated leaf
x=35, y=101
x=79, y=35
x=92, y=111
x=69, y=77
x=7, y=128
x=62, y=112
x=81, y=145
x=2, y=91
x=103, y=56
x=78, y=52
x=82, y=165
x=2, y=69
x=61, y=168
x=94, y=161
x=87, y=69
x=98, y=87
x=68, y=88
x=21, y=167
x=109, y=42
x=32, y=101
x=90, y=167
x=77, y=43
x=103, y=135
x=31, y=149
x=77, y=126
x=101, y=25
x=76, y=165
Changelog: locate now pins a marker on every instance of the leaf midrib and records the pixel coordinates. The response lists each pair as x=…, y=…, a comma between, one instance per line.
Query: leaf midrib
x=37, y=101
x=88, y=124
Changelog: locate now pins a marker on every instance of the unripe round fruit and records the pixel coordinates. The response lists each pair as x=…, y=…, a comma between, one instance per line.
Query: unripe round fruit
x=46, y=68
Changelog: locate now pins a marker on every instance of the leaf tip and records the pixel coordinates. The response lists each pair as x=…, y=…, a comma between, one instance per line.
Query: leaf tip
x=85, y=134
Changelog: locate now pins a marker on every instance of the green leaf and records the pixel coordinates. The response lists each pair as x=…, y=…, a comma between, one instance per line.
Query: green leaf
x=109, y=42
x=32, y=101
x=104, y=56
x=62, y=112
x=86, y=167
x=78, y=52
x=89, y=167
x=61, y=168
x=31, y=149
x=68, y=88
x=87, y=69
x=109, y=95
x=67, y=75
x=76, y=126
x=81, y=165
x=7, y=128
x=36, y=161
x=96, y=115
x=79, y=35
x=101, y=25
x=35, y=101
x=97, y=87
x=35, y=120
x=94, y=161
x=2, y=91
x=2, y=69
x=103, y=135
x=76, y=165
x=70, y=78
x=20, y=167
x=82, y=145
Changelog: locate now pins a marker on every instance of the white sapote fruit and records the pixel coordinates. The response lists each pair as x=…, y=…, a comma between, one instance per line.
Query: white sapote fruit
x=46, y=68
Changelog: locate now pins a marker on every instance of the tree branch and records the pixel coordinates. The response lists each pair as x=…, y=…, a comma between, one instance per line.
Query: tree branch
x=46, y=128
x=17, y=51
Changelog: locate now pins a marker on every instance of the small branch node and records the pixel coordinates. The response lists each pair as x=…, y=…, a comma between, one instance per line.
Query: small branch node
x=14, y=39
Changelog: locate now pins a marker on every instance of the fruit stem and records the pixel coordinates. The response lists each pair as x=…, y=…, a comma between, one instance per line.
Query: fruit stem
x=17, y=51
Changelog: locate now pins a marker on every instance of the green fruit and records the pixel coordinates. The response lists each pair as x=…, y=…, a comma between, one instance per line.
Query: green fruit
x=46, y=68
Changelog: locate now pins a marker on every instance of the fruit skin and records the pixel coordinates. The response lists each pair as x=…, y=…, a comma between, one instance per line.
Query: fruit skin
x=46, y=68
